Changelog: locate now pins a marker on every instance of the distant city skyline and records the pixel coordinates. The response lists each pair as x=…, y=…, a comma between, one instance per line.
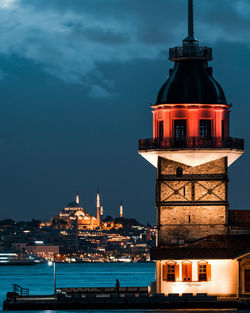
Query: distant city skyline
x=77, y=79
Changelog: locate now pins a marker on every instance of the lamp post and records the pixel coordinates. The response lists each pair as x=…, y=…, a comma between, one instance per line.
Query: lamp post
x=50, y=263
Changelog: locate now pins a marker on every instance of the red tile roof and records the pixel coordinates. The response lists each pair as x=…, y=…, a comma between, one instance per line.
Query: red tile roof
x=239, y=218
x=212, y=247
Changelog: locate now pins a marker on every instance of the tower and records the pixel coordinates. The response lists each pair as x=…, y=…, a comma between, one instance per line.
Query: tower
x=98, y=207
x=77, y=198
x=121, y=210
x=191, y=147
x=101, y=213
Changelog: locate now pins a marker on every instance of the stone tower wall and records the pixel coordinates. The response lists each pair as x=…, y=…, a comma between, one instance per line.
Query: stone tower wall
x=192, y=205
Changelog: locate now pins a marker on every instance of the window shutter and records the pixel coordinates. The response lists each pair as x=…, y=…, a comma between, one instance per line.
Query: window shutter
x=208, y=272
x=177, y=272
x=189, y=271
x=165, y=272
x=184, y=271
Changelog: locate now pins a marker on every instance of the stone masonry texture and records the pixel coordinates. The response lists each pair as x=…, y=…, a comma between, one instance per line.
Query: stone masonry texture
x=192, y=205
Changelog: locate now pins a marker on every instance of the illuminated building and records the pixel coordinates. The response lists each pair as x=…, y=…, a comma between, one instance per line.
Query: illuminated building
x=192, y=149
x=48, y=252
x=74, y=214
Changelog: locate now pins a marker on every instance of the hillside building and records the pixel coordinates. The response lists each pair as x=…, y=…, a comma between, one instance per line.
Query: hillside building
x=75, y=216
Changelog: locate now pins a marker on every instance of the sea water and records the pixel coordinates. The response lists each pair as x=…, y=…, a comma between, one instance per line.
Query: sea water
x=40, y=279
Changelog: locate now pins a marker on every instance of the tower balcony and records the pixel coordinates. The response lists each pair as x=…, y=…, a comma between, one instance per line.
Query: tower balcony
x=191, y=143
x=192, y=151
x=190, y=52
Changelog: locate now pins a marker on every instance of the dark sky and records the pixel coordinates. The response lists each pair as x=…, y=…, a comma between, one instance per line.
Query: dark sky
x=76, y=82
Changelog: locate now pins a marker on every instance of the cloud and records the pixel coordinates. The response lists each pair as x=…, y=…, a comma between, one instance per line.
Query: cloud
x=99, y=92
x=7, y=4
x=224, y=21
x=70, y=38
x=106, y=36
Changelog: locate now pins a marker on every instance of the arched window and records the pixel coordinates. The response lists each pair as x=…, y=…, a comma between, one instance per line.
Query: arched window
x=179, y=172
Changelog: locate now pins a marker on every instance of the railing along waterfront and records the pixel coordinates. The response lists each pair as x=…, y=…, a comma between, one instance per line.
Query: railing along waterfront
x=191, y=143
x=20, y=290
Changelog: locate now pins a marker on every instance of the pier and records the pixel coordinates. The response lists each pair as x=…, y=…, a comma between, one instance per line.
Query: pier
x=112, y=298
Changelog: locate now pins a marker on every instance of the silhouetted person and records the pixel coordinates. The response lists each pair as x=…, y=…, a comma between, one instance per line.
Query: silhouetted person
x=117, y=284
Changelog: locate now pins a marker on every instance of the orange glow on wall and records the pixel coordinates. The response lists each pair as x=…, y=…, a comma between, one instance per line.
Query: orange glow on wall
x=219, y=116
x=223, y=278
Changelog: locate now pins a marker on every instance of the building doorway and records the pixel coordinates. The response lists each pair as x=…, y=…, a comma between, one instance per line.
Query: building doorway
x=247, y=280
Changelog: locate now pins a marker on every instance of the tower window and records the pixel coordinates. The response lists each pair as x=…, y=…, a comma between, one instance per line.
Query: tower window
x=160, y=130
x=180, y=129
x=179, y=172
x=205, y=129
x=222, y=129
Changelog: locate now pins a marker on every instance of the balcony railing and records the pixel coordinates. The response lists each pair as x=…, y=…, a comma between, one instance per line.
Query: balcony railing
x=190, y=51
x=191, y=143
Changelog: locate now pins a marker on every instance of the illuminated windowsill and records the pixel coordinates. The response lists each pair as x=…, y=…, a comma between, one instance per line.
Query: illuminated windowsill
x=187, y=281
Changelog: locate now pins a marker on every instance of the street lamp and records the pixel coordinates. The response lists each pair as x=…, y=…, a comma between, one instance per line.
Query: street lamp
x=50, y=263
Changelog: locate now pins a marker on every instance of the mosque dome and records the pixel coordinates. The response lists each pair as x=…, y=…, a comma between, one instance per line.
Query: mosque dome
x=73, y=204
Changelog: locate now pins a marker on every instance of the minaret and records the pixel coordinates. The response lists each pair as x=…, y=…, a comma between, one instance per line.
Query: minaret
x=191, y=149
x=77, y=198
x=98, y=208
x=121, y=210
x=101, y=213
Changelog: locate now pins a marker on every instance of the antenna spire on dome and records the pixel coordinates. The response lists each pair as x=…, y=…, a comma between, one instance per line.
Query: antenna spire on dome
x=190, y=45
x=190, y=18
x=190, y=37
